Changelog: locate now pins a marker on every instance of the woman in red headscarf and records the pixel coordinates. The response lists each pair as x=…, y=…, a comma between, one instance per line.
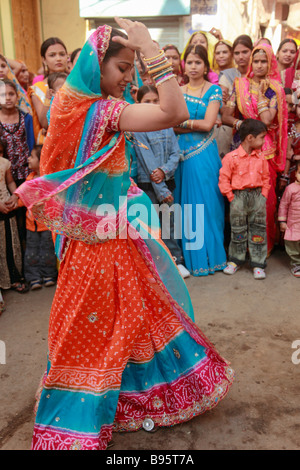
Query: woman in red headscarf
x=259, y=95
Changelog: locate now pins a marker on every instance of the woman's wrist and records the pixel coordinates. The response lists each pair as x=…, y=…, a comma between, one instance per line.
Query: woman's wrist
x=237, y=124
x=150, y=51
x=189, y=124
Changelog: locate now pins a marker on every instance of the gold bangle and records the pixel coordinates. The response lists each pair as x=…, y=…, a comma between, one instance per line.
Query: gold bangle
x=161, y=53
x=158, y=69
x=162, y=72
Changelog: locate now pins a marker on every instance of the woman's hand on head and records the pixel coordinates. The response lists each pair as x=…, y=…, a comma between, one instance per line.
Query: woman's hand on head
x=139, y=38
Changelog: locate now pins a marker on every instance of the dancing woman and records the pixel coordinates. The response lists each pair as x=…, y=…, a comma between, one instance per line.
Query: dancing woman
x=124, y=352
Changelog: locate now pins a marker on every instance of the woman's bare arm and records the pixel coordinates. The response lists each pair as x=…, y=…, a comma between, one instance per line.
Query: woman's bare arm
x=172, y=109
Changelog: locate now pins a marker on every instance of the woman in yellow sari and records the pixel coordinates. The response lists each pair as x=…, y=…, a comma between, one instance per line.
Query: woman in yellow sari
x=55, y=59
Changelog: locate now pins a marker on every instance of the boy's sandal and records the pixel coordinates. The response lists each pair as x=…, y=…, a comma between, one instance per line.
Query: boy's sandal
x=34, y=285
x=295, y=270
x=20, y=287
x=49, y=281
x=231, y=268
x=259, y=273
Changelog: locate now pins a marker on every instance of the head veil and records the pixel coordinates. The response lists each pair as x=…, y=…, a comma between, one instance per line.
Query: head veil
x=215, y=66
x=211, y=42
x=83, y=146
x=276, y=140
x=84, y=163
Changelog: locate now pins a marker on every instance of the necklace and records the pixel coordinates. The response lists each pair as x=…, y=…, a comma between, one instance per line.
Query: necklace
x=197, y=88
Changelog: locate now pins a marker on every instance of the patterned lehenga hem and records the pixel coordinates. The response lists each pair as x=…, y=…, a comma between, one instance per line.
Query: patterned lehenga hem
x=165, y=405
x=50, y=438
x=206, y=272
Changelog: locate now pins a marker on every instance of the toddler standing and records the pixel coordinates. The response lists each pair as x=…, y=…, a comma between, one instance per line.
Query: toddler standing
x=289, y=219
x=244, y=179
x=40, y=259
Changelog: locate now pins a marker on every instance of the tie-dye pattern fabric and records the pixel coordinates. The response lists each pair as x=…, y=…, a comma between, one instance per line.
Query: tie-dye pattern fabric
x=123, y=347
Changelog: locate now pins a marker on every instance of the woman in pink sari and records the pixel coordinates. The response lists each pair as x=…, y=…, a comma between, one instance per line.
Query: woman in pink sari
x=259, y=95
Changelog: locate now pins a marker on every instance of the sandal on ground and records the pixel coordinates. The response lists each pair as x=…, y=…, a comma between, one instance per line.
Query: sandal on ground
x=259, y=273
x=34, y=285
x=295, y=270
x=20, y=287
x=49, y=281
x=231, y=268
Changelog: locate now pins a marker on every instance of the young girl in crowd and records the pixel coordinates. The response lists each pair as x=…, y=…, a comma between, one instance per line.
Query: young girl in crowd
x=10, y=250
x=40, y=259
x=16, y=130
x=157, y=160
x=289, y=219
x=8, y=70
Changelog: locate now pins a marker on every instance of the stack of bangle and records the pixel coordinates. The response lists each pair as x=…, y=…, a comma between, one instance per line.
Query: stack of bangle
x=186, y=124
x=237, y=124
x=262, y=106
x=159, y=68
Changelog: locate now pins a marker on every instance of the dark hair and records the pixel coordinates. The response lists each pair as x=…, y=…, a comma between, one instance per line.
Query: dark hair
x=297, y=163
x=172, y=47
x=74, y=54
x=10, y=83
x=51, y=42
x=45, y=46
x=285, y=41
x=38, y=150
x=288, y=91
x=243, y=39
x=3, y=58
x=55, y=76
x=144, y=90
x=202, y=53
x=3, y=144
x=252, y=127
x=114, y=47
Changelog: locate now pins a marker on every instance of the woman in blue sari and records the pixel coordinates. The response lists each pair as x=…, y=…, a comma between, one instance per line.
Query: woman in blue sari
x=202, y=205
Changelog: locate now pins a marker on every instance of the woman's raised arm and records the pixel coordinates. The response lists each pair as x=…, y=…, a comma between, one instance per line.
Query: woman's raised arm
x=172, y=109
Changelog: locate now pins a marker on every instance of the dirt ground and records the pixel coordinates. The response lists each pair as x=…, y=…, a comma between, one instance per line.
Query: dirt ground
x=252, y=323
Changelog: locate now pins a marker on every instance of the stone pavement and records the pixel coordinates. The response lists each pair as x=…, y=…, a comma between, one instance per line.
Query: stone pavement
x=252, y=323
